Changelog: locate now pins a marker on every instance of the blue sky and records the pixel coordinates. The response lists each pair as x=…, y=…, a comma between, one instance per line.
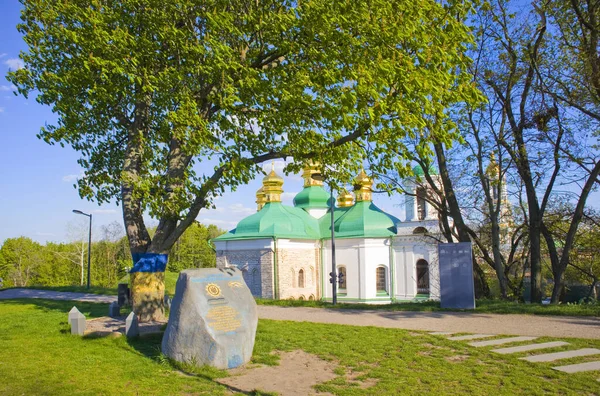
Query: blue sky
x=36, y=180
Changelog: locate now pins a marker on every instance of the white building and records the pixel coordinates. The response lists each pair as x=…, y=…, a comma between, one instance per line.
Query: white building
x=285, y=251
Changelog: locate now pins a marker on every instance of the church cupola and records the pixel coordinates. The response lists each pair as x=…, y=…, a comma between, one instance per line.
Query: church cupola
x=345, y=199
x=272, y=186
x=313, y=198
x=260, y=199
x=363, y=187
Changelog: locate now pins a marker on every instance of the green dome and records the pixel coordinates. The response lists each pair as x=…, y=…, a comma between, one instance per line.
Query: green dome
x=325, y=221
x=418, y=171
x=313, y=197
x=364, y=219
x=275, y=220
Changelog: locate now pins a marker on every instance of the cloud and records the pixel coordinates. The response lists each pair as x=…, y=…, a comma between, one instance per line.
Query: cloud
x=219, y=223
x=73, y=177
x=288, y=196
x=104, y=211
x=240, y=209
x=1, y=109
x=14, y=63
x=4, y=88
x=2, y=55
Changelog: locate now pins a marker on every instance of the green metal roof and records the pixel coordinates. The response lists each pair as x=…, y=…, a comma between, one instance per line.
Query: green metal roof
x=364, y=219
x=313, y=197
x=275, y=220
x=325, y=221
x=418, y=171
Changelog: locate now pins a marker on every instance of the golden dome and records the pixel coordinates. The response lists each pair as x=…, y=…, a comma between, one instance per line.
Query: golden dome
x=260, y=199
x=312, y=168
x=363, y=187
x=345, y=199
x=272, y=186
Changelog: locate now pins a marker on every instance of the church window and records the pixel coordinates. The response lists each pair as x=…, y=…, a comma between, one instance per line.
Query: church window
x=422, y=277
x=342, y=277
x=301, y=298
x=381, y=280
x=301, y=278
x=311, y=297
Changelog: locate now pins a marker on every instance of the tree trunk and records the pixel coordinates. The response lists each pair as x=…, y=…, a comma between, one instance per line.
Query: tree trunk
x=481, y=287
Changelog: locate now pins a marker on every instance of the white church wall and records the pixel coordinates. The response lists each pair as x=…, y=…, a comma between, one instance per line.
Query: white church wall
x=375, y=253
x=346, y=255
x=408, y=250
x=298, y=271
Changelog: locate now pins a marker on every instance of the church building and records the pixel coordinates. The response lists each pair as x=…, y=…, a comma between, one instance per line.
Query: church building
x=284, y=251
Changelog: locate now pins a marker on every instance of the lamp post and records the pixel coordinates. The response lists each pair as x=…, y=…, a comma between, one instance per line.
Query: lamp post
x=333, y=273
x=89, y=243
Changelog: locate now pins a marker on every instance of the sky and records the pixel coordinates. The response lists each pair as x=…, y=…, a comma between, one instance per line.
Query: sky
x=37, y=196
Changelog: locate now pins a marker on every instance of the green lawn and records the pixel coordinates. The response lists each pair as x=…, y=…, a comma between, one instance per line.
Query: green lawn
x=39, y=356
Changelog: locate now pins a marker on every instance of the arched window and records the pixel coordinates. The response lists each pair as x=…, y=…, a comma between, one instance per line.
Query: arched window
x=301, y=278
x=342, y=277
x=422, y=277
x=301, y=298
x=381, y=280
x=420, y=230
x=311, y=297
x=421, y=203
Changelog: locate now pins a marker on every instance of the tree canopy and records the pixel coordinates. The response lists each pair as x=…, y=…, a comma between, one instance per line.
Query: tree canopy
x=170, y=103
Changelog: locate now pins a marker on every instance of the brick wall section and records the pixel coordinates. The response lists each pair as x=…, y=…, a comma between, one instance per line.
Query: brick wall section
x=290, y=262
x=256, y=266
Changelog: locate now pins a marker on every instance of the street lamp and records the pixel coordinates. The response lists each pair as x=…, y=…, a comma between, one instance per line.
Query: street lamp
x=89, y=243
x=333, y=273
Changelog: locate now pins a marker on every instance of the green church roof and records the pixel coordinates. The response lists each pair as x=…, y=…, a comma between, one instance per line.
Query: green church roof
x=275, y=220
x=364, y=219
x=418, y=171
x=313, y=197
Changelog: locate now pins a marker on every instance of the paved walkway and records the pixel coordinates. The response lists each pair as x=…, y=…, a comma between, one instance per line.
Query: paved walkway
x=54, y=295
x=463, y=322
x=453, y=322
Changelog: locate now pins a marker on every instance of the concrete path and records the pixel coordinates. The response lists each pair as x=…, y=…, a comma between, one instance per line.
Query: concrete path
x=451, y=322
x=54, y=295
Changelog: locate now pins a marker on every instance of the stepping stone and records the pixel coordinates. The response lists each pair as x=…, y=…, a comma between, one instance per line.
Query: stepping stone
x=470, y=337
x=549, y=357
x=501, y=341
x=532, y=347
x=442, y=333
x=575, y=368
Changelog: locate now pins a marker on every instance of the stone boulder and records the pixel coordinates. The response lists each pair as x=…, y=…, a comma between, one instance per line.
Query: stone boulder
x=213, y=319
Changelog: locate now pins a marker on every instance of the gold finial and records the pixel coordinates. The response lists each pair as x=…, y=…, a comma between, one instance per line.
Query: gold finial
x=362, y=187
x=312, y=168
x=345, y=199
x=493, y=170
x=272, y=186
x=260, y=199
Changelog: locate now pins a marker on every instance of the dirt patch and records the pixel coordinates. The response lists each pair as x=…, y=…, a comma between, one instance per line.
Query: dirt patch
x=457, y=358
x=115, y=327
x=364, y=383
x=296, y=375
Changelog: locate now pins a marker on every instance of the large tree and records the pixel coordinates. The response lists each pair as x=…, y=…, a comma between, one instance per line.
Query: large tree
x=171, y=102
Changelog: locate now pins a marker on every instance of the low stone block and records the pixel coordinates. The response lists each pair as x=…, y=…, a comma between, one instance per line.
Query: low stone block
x=470, y=337
x=78, y=323
x=501, y=341
x=114, y=311
x=576, y=368
x=530, y=347
x=213, y=319
x=550, y=357
x=132, y=325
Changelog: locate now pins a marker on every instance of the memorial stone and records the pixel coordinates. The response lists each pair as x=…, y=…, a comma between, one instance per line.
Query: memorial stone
x=114, y=311
x=213, y=319
x=132, y=326
x=77, y=322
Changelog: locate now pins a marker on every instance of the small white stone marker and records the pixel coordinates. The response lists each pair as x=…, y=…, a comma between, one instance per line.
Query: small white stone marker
x=532, y=347
x=575, y=368
x=501, y=341
x=549, y=357
x=470, y=337
x=442, y=333
x=73, y=313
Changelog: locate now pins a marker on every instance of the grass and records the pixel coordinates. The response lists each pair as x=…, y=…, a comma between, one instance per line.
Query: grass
x=39, y=356
x=482, y=306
